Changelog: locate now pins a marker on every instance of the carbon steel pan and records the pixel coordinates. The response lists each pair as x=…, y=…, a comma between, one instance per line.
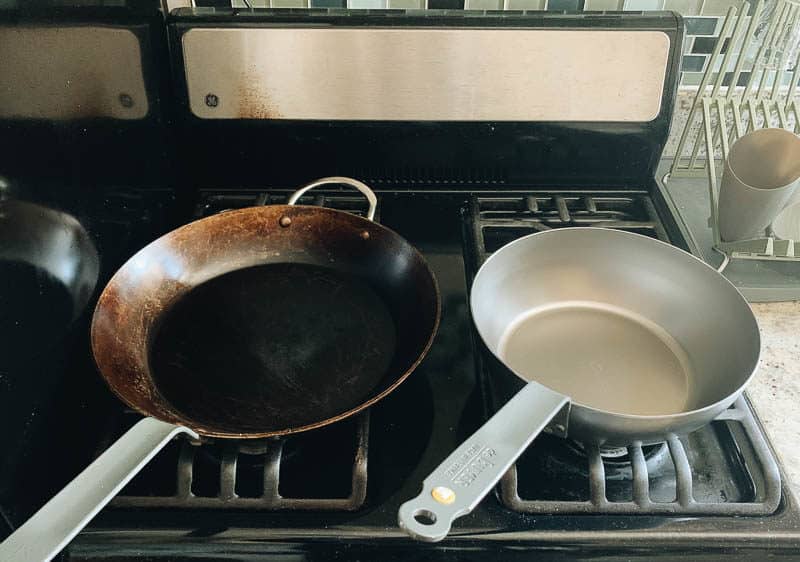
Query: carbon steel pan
x=619, y=338
x=248, y=324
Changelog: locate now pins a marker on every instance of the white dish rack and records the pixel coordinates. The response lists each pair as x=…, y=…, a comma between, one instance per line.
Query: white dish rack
x=725, y=112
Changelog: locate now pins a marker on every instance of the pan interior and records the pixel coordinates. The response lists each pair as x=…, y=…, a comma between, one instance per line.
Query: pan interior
x=601, y=356
x=273, y=346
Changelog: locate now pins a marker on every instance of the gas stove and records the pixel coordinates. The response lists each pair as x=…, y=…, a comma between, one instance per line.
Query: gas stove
x=197, y=132
x=335, y=492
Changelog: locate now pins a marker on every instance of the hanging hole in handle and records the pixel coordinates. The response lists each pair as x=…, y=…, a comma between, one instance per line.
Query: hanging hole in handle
x=425, y=517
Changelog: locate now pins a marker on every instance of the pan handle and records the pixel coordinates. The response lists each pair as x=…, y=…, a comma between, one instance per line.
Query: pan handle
x=51, y=528
x=469, y=473
x=361, y=186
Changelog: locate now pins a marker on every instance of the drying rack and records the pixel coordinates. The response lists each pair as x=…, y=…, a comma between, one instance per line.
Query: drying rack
x=725, y=111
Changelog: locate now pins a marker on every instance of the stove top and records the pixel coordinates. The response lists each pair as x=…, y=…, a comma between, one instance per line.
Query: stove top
x=334, y=493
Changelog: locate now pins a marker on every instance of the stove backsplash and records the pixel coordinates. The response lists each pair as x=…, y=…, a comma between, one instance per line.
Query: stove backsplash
x=703, y=20
x=156, y=109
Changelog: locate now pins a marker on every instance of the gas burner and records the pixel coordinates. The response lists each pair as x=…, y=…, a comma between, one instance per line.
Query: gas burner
x=256, y=447
x=217, y=452
x=619, y=455
x=613, y=454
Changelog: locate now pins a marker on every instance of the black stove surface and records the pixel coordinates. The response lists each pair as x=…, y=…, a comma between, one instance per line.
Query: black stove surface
x=409, y=433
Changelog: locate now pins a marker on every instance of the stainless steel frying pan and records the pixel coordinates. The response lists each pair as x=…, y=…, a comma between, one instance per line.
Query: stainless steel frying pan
x=621, y=339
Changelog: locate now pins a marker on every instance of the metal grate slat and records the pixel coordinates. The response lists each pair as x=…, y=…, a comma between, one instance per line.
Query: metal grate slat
x=227, y=473
x=683, y=479
x=597, y=478
x=641, y=485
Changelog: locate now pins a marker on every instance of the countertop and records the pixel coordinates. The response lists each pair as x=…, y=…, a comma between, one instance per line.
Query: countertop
x=775, y=389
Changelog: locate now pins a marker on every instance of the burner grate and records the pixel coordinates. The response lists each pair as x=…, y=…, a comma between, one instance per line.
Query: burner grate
x=211, y=203
x=725, y=468
x=237, y=475
x=766, y=500
x=503, y=218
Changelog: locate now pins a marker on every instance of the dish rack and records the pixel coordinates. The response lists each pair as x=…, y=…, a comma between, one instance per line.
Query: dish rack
x=725, y=111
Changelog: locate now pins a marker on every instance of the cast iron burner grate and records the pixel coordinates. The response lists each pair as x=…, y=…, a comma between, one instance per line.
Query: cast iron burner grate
x=724, y=468
x=504, y=218
x=321, y=470
x=264, y=475
x=211, y=203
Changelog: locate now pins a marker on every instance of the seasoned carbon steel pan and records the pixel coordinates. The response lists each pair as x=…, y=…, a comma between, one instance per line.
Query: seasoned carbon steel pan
x=620, y=339
x=48, y=253
x=248, y=324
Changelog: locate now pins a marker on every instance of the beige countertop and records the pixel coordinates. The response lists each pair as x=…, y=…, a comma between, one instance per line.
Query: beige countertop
x=775, y=389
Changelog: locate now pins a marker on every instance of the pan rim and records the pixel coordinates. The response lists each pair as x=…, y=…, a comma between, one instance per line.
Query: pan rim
x=721, y=403
x=342, y=215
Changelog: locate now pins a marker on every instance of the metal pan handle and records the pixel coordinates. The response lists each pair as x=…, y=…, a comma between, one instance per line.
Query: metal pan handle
x=469, y=473
x=362, y=187
x=51, y=528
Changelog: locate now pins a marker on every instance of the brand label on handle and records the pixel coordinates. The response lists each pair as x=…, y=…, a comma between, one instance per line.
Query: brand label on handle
x=470, y=465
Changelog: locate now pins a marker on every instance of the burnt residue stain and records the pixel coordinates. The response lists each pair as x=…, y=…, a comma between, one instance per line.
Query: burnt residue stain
x=254, y=102
x=273, y=346
x=95, y=99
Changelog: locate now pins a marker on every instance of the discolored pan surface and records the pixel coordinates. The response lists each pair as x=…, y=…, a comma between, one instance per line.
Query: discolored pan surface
x=131, y=312
x=273, y=346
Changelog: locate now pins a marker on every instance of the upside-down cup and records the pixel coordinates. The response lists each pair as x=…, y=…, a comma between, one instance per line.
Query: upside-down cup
x=760, y=176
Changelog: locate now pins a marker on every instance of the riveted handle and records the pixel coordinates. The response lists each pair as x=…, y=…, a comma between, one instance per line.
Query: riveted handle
x=361, y=186
x=469, y=473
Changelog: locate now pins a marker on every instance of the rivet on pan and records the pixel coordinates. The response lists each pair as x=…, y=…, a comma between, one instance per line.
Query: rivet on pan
x=365, y=235
x=285, y=221
x=443, y=495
